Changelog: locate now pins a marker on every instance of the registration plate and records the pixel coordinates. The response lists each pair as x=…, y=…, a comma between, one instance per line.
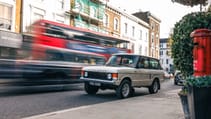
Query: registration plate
x=94, y=83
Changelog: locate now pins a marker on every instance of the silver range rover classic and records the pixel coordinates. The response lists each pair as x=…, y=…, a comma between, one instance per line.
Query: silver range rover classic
x=123, y=73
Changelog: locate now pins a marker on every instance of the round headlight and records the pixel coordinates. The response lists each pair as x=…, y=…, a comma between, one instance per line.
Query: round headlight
x=86, y=74
x=109, y=76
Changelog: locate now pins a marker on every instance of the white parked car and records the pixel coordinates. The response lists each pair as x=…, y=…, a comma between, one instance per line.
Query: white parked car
x=167, y=75
x=179, y=78
x=123, y=72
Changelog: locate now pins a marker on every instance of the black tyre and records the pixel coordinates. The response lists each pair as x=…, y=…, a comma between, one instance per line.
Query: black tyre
x=124, y=90
x=132, y=92
x=154, y=87
x=90, y=89
x=175, y=82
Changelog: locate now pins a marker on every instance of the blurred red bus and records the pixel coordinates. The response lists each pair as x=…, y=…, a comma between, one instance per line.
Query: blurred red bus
x=60, y=35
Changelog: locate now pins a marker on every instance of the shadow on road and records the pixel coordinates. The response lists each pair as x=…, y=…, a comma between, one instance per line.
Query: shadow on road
x=111, y=94
x=31, y=90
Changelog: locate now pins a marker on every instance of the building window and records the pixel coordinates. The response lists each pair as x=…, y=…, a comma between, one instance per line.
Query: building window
x=5, y=17
x=161, y=53
x=125, y=45
x=133, y=47
x=152, y=38
x=60, y=4
x=161, y=45
x=153, y=26
x=140, y=36
x=140, y=50
x=37, y=14
x=116, y=24
x=146, y=37
x=93, y=12
x=168, y=53
x=133, y=31
x=167, y=61
x=125, y=28
x=78, y=5
x=146, y=51
x=106, y=20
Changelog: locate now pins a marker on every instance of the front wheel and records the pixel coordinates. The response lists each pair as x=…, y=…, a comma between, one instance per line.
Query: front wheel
x=124, y=90
x=90, y=89
x=154, y=87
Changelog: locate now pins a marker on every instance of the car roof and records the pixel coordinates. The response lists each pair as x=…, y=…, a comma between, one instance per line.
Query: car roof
x=132, y=54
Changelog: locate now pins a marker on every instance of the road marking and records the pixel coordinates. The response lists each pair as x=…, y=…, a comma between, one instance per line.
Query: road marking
x=56, y=112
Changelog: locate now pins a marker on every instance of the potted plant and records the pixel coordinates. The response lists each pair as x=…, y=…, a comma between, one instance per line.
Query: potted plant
x=199, y=97
x=184, y=101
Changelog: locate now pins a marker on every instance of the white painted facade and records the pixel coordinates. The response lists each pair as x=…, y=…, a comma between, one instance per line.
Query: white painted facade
x=54, y=10
x=7, y=16
x=165, y=58
x=136, y=31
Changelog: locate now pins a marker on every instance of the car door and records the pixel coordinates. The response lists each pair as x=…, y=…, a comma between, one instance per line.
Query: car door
x=142, y=72
x=156, y=70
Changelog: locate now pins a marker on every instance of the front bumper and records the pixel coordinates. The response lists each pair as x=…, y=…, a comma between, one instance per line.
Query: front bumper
x=112, y=82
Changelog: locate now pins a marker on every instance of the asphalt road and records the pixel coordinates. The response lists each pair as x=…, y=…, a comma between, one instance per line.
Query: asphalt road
x=24, y=102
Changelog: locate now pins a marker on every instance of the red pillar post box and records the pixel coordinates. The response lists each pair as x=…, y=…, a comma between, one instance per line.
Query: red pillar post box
x=202, y=52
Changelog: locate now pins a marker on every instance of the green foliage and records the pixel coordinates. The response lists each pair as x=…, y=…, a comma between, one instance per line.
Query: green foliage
x=191, y=2
x=202, y=81
x=182, y=44
x=183, y=91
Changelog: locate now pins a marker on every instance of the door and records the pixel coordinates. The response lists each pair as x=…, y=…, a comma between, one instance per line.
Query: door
x=142, y=72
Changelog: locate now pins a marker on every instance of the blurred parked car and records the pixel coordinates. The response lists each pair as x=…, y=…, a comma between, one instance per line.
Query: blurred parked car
x=179, y=78
x=54, y=66
x=10, y=69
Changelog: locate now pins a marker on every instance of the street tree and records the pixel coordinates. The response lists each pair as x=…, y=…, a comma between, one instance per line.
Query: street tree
x=192, y=2
x=182, y=45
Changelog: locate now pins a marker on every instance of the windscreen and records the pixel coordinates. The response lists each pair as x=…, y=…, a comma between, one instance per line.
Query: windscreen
x=122, y=60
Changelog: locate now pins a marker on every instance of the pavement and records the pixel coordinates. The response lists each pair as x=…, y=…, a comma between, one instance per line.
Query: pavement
x=164, y=105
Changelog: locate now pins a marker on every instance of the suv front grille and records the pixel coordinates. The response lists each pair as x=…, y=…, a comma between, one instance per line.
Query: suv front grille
x=98, y=75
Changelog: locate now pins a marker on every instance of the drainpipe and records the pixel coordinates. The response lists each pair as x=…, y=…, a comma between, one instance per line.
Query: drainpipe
x=21, y=17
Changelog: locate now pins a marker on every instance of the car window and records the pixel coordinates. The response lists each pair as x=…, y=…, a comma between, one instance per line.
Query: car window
x=54, y=56
x=143, y=62
x=154, y=64
x=97, y=61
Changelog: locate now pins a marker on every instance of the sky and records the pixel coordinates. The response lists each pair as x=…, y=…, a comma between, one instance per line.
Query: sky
x=168, y=12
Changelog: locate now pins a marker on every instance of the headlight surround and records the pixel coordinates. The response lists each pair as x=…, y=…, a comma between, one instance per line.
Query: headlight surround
x=112, y=76
x=109, y=76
